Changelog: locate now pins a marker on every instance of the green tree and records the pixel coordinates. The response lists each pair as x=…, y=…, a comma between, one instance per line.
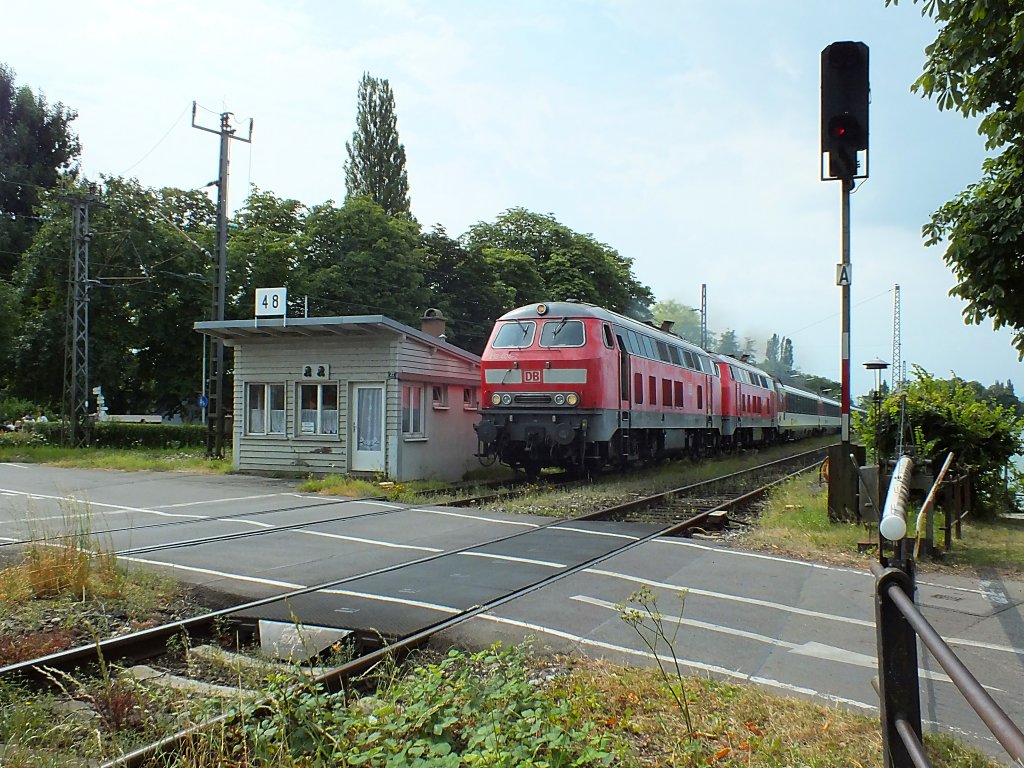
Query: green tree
x=37, y=147
x=729, y=343
x=150, y=280
x=685, y=320
x=976, y=66
x=359, y=260
x=942, y=416
x=1003, y=394
x=819, y=384
x=778, y=356
x=786, y=355
x=466, y=287
x=265, y=250
x=570, y=265
x=376, y=159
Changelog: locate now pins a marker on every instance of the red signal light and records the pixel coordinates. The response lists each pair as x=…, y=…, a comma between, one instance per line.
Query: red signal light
x=844, y=129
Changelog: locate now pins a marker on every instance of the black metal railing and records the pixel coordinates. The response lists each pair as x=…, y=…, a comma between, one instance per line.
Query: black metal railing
x=898, y=624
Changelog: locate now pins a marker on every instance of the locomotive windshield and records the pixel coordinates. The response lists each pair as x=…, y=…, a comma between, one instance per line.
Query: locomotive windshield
x=515, y=334
x=562, y=333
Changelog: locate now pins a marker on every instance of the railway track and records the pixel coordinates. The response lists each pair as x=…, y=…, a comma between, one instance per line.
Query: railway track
x=679, y=511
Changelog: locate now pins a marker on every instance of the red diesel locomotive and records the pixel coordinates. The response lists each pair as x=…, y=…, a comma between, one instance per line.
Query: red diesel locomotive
x=574, y=385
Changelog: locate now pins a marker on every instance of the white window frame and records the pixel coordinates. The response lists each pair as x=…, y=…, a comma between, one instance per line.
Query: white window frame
x=267, y=411
x=439, y=397
x=325, y=422
x=414, y=415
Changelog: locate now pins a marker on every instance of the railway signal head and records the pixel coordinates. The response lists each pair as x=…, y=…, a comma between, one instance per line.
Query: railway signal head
x=844, y=106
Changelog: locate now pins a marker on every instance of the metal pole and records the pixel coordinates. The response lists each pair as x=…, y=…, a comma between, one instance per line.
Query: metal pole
x=216, y=413
x=220, y=288
x=847, y=186
x=898, y=676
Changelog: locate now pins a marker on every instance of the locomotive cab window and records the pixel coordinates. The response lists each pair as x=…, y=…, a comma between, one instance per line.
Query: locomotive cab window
x=562, y=333
x=516, y=334
x=608, y=336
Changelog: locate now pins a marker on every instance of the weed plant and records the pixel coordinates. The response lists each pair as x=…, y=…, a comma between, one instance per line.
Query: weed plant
x=478, y=709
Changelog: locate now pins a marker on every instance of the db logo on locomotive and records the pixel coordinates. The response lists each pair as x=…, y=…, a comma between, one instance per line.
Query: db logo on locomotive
x=531, y=377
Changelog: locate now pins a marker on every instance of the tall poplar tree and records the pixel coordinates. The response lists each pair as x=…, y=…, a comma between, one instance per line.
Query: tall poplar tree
x=376, y=158
x=37, y=146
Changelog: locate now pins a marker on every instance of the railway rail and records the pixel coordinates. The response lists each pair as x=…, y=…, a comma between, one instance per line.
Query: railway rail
x=692, y=504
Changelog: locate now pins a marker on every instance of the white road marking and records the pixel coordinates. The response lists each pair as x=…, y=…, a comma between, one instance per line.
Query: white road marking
x=812, y=649
x=397, y=600
x=374, y=542
x=474, y=517
x=12, y=464
x=211, y=572
x=732, y=598
x=74, y=500
x=986, y=590
x=511, y=559
x=759, y=556
x=692, y=664
x=4, y=538
x=372, y=503
x=595, y=533
x=218, y=501
x=253, y=523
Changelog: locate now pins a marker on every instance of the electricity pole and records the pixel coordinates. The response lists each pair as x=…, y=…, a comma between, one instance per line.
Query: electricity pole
x=215, y=358
x=75, y=422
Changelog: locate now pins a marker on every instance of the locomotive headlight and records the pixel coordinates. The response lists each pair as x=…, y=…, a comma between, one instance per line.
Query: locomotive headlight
x=495, y=399
x=572, y=399
x=559, y=399
x=506, y=399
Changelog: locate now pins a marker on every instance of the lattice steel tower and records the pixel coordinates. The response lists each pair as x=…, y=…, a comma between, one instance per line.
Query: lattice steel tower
x=898, y=373
x=75, y=411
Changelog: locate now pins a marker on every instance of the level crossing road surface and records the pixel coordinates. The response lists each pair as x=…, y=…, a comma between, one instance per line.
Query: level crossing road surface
x=794, y=628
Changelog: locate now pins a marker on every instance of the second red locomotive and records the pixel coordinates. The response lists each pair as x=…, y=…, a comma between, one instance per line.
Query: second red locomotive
x=574, y=385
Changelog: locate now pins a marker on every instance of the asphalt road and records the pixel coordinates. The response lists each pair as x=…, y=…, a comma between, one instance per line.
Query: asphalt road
x=794, y=628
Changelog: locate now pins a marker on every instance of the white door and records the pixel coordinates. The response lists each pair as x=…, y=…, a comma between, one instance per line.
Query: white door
x=366, y=437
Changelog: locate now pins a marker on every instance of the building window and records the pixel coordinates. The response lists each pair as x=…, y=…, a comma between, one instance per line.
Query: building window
x=264, y=409
x=412, y=410
x=470, y=400
x=439, y=395
x=318, y=409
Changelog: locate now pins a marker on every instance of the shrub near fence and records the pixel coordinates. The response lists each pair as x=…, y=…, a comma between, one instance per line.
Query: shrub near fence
x=113, y=434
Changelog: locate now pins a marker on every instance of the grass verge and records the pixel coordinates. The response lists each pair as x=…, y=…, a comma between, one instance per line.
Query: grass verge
x=134, y=460
x=796, y=523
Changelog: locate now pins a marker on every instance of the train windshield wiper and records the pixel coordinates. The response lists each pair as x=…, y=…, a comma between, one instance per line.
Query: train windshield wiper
x=561, y=325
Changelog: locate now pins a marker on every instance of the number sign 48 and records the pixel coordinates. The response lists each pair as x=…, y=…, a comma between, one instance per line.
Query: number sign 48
x=271, y=302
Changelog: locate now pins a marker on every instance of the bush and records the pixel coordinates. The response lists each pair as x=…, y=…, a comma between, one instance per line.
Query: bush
x=117, y=434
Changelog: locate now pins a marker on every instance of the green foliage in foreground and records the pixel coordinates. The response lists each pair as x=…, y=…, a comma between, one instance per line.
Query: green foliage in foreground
x=477, y=709
x=937, y=417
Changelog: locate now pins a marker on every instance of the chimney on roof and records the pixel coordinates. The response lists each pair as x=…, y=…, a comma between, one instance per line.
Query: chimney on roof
x=666, y=325
x=433, y=322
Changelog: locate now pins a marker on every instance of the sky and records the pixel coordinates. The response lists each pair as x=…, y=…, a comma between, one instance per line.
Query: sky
x=682, y=133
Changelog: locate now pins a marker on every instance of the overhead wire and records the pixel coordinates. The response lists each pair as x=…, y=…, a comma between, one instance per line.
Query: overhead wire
x=155, y=146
